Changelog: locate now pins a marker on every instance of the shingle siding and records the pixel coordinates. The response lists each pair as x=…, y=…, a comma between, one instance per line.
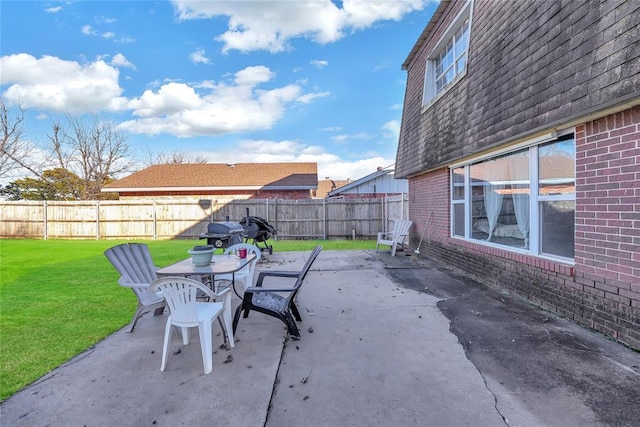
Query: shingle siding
x=531, y=65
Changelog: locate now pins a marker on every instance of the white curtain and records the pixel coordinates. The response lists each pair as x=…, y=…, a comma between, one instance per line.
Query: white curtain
x=521, y=208
x=492, y=205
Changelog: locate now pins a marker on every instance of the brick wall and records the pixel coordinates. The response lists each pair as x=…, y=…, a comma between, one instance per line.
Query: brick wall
x=429, y=202
x=602, y=289
x=608, y=221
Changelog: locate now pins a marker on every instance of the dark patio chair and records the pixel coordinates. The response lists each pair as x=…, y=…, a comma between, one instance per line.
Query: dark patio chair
x=268, y=300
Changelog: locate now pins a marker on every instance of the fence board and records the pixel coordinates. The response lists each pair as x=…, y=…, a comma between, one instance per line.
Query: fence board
x=187, y=219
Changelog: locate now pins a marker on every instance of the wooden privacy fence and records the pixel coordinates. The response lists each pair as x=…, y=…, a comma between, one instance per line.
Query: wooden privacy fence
x=187, y=219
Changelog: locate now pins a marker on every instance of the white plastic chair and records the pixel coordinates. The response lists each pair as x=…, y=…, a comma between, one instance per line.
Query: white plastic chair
x=137, y=270
x=187, y=311
x=246, y=274
x=395, y=237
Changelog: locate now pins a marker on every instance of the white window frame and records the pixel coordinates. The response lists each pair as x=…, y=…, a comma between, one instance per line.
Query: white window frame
x=430, y=94
x=535, y=197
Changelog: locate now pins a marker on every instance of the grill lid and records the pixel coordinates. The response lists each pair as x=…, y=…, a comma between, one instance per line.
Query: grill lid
x=224, y=227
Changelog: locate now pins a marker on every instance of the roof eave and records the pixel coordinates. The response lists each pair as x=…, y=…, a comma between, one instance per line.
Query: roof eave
x=232, y=188
x=359, y=181
x=425, y=33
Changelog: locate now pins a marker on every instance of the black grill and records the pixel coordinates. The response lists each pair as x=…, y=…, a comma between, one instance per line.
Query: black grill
x=258, y=230
x=223, y=234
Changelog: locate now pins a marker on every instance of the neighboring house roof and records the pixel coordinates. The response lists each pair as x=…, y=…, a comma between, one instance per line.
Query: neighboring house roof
x=363, y=180
x=327, y=185
x=220, y=176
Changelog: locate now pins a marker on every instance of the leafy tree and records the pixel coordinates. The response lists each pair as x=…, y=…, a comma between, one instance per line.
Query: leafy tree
x=55, y=184
x=11, y=192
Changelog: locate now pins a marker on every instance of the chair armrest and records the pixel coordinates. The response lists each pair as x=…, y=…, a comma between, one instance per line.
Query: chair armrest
x=215, y=295
x=132, y=285
x=286, y=274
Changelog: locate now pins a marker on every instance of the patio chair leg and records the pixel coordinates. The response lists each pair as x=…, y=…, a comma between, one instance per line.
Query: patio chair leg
x=291, y=325
x=236, y=318
x=295, y=312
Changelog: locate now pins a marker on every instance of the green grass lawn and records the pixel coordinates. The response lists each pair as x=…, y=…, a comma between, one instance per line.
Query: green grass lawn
x=59, y=297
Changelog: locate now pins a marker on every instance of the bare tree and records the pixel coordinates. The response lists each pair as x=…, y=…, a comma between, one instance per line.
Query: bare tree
x=175, y=158
x=95, y=151
x=15, y=150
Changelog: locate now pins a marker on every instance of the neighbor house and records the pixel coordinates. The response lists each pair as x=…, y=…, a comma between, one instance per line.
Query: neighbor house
x=520, y=138
x=327, y=185
x=381, y=183
x=220, y=181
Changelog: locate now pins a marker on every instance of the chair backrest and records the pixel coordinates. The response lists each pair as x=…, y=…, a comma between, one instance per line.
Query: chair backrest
x=181, y=295
x=401, y=229
x=246, y=273
x=134, y=263
x=304, y=271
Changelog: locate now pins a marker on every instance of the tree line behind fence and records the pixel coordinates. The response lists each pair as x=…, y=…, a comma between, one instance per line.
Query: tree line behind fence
x=187, y=219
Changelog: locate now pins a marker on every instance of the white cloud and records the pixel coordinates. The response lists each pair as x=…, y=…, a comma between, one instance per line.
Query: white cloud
x=88, y=30
x=391, y=129
x=318, y=63
x=344, y=137
x=50, y=83
x=53, y=9
x=179, y=109
x=306, y=99
x=119, y=60
x=251, y=76
x=199, y=57
x=108, y=35
x=105, y=19
x=265, y=151
x=125, y=39
x=211, y=108
x=269, y=25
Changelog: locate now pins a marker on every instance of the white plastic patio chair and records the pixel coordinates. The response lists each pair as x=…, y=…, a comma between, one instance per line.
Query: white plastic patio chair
x=137, y=270
x=187, y=310
x=246, y=274
x=396, y=237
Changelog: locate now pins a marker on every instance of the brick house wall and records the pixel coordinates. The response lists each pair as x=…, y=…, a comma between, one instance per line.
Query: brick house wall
x=602, y=289
x=608, y=223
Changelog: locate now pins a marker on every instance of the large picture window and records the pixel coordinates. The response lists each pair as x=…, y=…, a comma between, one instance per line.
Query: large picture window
x=524, y=199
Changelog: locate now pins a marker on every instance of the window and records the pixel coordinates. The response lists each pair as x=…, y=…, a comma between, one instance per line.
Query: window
x=453, y=59
x=449, y=58
x=524, y=199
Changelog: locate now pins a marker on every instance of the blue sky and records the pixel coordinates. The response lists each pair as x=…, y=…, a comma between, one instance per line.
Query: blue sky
x=229, y=81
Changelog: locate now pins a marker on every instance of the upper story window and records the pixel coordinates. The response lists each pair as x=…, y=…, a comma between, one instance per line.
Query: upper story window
x=448, y=60
x=453, y=59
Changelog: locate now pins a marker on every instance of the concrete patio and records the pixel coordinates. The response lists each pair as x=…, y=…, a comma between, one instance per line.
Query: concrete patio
x=388, y=341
